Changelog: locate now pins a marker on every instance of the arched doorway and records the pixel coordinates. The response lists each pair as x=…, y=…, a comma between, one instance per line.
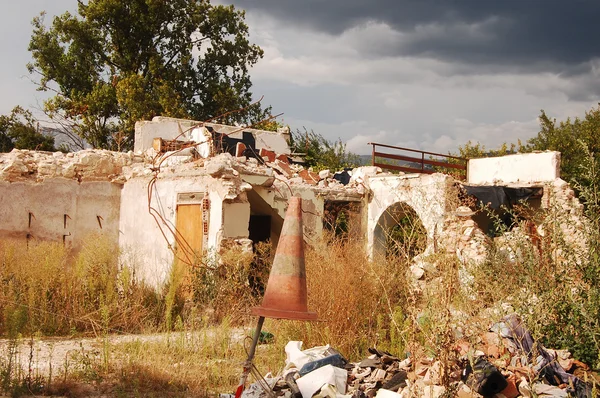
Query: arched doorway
x=399, y=233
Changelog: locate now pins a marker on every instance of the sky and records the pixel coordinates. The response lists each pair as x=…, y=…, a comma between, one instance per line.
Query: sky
x=424, y=74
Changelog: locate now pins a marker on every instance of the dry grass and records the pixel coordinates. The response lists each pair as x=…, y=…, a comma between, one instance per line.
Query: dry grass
x=357, y=301
x=44, y=289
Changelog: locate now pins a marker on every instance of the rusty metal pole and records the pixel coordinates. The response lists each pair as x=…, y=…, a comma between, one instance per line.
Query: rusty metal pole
x=373, y=155
x=248, y=364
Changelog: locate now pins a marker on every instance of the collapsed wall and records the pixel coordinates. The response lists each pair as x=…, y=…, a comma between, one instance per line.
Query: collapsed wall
x=61, y=197
x=511, y=200
x=162, y=206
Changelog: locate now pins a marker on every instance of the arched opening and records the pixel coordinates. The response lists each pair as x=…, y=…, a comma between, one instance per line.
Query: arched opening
x=342, y=219
x=400, y=233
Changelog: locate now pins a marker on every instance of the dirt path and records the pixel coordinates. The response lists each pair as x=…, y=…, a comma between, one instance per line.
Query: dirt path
x=58, y=356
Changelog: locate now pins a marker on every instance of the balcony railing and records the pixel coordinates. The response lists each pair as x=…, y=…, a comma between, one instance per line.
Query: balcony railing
x=415, y=161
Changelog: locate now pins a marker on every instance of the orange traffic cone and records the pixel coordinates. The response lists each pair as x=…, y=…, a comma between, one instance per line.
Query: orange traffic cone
x=285, y=296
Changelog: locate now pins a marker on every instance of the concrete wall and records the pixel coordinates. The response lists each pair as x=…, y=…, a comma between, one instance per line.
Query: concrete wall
x=92, y=208
x=170, y=128
x=236, y=217
x=522, y=168
x=313, y=203
x=425, y=194
x=145, y=248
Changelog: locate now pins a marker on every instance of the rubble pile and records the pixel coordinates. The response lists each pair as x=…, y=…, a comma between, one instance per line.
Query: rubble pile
x=463, y=237
x=505, y=363
x=560, y=198
x=276, y=165
x=118, y=167
x=86, y=165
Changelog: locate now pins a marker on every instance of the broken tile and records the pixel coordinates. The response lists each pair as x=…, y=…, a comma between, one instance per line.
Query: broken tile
x=239, y=149
x=511, y=390
x=309, y=177
x=282, y=158
x=267, y=155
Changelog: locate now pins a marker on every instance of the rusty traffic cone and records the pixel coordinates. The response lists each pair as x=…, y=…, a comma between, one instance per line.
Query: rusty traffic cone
x=285, y=296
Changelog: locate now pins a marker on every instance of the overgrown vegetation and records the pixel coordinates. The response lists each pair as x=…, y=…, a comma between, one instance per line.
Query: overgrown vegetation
x=47, y=290
x=320, y=153
x=576, y=139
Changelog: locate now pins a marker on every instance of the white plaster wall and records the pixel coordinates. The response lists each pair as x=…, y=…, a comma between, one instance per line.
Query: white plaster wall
x=50, y=200
x=236, y=217
x=144, y=247
x=425, y=194
x=170, y=128
x=521, y=168
x=313, y=203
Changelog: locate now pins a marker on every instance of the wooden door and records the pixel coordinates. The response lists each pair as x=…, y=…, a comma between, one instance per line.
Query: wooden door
x=190, y=231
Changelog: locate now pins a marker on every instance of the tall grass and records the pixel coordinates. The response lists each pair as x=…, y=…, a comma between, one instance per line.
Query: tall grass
x=359, y=303
x=45, y=289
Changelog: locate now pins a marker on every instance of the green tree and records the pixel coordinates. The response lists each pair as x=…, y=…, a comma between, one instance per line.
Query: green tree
x=573, y=138
x=19, y=130
x=117, y=62
x=474, y=150
x=321, y=153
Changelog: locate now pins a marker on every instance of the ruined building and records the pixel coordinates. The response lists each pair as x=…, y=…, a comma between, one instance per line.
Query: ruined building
x=191, y=189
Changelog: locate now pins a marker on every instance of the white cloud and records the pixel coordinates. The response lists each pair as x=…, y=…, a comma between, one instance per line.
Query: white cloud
x=359, y=143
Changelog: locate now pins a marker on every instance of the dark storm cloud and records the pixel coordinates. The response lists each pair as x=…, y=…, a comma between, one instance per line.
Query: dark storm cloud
x=555, y=35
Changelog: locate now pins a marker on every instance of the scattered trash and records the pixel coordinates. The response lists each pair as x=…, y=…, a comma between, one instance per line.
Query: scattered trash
x=507, y=363
x=484, y=377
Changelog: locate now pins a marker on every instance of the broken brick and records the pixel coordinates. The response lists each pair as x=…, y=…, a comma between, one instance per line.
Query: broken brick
x=309, y=177
x=239, y=149
x=269, y=155
x=511, y=390
x=283, y=158
x=284, y=168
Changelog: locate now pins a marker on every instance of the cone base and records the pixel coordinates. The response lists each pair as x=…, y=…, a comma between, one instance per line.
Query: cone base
x=282, y=314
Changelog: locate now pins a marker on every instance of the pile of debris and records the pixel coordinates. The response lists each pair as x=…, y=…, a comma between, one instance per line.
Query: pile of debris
x=507, y=363
x=86, y=165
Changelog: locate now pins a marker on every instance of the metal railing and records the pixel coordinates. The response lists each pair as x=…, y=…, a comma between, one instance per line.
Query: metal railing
x=424, y=162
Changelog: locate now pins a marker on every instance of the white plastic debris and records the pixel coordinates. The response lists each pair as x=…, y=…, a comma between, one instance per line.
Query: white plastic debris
x=296, y=358
x=321, y=377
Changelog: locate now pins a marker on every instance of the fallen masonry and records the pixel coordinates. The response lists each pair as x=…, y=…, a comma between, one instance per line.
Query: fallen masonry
x=193, y=190
x=505, y=363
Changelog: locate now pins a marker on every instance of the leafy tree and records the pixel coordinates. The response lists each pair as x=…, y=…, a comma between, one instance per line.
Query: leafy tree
x=476, y=150
x=321, y=153
x=18, y=130
x=574, y=138
x=117, y=62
